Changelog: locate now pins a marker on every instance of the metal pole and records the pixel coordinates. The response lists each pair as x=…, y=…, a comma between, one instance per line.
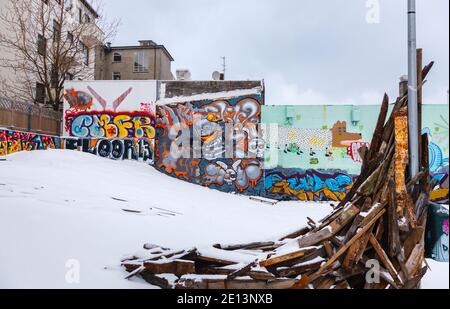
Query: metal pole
x=413, y=118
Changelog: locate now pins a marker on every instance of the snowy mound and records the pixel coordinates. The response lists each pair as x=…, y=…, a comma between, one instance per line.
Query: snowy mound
x=63, y=210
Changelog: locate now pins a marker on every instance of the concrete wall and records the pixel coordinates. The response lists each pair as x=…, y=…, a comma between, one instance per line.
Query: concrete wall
x=238, y=169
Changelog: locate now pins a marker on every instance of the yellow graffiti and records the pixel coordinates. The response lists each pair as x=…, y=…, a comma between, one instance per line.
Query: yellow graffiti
x=283, y=187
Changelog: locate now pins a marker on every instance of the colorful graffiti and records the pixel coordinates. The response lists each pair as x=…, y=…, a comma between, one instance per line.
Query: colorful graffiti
x=105, y=110
x=242, y=174
x=438, y=166
x=110, y=124
x=310, y=185
x=211, y=161
x=15, y=141
x=116, y=149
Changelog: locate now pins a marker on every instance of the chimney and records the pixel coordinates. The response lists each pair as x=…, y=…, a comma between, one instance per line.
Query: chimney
x=147, y=43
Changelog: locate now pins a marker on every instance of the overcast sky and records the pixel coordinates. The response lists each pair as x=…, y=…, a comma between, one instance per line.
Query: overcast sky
x=307, y=51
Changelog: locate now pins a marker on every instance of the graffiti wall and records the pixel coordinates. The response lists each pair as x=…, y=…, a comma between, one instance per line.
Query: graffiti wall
x=436, y=127
x=307, y=185
x=194, y=143
x=104, y=110
x=316, y=157
x=15, y=141
x=116, y=149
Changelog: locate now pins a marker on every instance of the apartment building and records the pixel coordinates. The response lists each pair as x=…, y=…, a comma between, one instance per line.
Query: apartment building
x=76, y=12
x=146, y=61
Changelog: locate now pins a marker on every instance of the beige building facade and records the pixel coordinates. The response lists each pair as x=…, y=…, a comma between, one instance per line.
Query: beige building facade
x=146, y=61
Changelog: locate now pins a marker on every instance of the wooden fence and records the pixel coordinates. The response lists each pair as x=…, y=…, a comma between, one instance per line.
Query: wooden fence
x=29, y=117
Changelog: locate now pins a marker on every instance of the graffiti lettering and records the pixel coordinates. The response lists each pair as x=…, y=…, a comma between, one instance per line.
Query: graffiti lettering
x=14, y=141
x=110, y=125
x=128, y=149
x=307, y=186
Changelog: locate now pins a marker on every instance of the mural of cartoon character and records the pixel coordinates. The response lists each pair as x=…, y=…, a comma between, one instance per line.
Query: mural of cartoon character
x=241, y=174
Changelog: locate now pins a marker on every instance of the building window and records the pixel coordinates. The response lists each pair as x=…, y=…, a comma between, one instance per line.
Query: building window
x=80, y=16
x=56, y=30
x=70, y=37
x=140, y=62
x=85, y=53
x=40, y=93
x=87, y=19
x=68, y=76
x=116, y=76
x=54, y=78
x=42, y=45
x=68, y=5
x=117, y=57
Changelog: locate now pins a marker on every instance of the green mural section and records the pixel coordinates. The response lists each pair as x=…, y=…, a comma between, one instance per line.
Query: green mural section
x=326, y=139
x=320, y=137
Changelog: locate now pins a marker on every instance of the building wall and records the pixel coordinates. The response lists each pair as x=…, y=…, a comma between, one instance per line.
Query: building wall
x=159, y=65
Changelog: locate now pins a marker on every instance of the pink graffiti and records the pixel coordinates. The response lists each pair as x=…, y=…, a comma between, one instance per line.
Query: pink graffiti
x=353, y=150
x=445, y=227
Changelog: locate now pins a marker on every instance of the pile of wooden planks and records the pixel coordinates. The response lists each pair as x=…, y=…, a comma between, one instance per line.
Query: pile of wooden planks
x=373, y=239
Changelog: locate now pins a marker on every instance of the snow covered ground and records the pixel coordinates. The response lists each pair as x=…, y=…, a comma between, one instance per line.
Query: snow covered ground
x=64, y=210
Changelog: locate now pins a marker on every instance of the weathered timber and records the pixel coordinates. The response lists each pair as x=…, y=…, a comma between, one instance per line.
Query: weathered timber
x=350, y=242
x=177, y=267
x=242, y=271
x=384, y=258
x=334, y=227
x=274, y=260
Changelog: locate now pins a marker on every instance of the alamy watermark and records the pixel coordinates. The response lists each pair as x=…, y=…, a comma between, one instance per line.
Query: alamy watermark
x=373, y=11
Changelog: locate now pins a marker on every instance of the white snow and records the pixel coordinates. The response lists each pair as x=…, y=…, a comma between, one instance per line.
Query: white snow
x=62, y=210
x=57, y=208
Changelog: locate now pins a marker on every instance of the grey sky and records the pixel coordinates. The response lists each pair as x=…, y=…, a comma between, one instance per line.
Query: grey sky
x=307, y=51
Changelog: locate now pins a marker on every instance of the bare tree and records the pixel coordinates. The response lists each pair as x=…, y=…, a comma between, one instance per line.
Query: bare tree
x=47, y=42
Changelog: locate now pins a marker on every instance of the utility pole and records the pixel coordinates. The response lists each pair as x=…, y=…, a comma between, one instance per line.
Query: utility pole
x=413, y=118
x=224, y=65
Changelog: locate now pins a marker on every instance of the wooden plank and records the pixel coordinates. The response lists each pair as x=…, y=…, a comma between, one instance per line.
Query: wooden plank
x=415, y=260
x=299, y=269
x=286, y=257
x=332, y=229
x=384, y=258
x=401, y=159
x=298, y=233
x=378, y=132
x=177, y=267
x=356, y=250
x=328, y=248
x=242, y=271
x=157, y=280
x=342, y=250
x=412, y=240
x=325, y=283
x=263, y=200
x=419, y=56
x=252, y=245
x=393, y=229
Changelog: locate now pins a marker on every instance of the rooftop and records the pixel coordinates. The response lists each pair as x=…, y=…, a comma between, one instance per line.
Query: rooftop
x=144, y=44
